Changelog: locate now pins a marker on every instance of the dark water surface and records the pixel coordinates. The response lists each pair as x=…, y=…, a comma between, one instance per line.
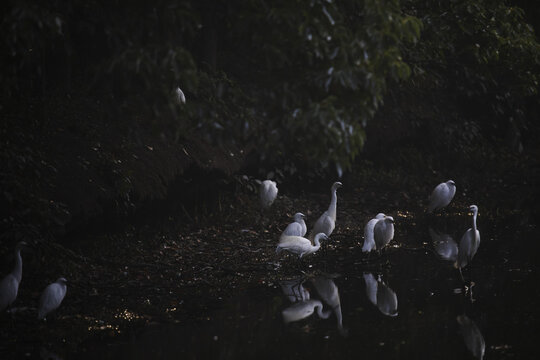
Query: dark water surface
x=409, y=303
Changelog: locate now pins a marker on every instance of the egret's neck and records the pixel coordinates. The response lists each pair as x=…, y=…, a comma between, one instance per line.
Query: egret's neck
x=333, y=205
x=320, y=313
x=317, y=243
x=17, y=270
x=474, y=221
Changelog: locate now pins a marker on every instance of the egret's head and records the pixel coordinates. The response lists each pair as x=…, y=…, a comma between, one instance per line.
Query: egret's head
x=474, y=209
x=451, y=182
x=336, y=185
x=322, y=236
x=299, y=216
x=62, y=281
x=380, y=216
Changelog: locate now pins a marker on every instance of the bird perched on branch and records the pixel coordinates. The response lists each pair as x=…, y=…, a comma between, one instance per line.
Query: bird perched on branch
x=297, y=227
x=327, y=221
x=441, y=196
x=180, y=97
x=52, y=297
x=9, y=286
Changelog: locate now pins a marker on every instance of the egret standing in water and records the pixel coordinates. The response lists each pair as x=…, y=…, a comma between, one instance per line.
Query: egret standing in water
x=383, y=232
x=299, y=245
x=327, y=222
x=268, y=193
x=52, y=297
x=296, y=228
x=470, y=241
x=441, y=196
x=9, y=286
x=369, y=241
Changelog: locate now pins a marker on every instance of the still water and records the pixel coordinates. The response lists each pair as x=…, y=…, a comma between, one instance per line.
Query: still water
x=408, y=303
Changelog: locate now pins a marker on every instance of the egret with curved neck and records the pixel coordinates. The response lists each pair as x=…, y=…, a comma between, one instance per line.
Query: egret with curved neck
x=327, y=221
x=299, y=245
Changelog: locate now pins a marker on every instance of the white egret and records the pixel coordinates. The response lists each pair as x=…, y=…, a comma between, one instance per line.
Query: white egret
x=383, y=232
x=444, y=245
x=380, y=295
x=268, y=192
x=297, y=227
x=327, y=221
x=470, y=241
x=180, y=97
x=441, y=196
x=369, y=241
x=299, y=245
x=9, y=286
x=472, y=336
x=304, y=309
x=52, y=297
x=328, y=291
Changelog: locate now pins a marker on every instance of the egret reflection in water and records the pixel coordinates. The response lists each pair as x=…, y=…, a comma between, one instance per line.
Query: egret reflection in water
x=328, y=291
x=445, y=246
x=381, y=295
x=472, y=336
x=304, y=304
x=304, y=309
x=294, y=290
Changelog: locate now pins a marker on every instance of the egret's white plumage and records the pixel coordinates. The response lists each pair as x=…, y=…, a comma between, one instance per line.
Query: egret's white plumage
x=304, y=309
x=380, y=295
x=472, y=336
x=180, y=97
x=470, y=241
x=383, y=232
x=9, y=286
x=369, y=241
x=444, y=245
x=297, y=227
x=299, y=245
x=268, y=193
x=327, y=221
x=441, y=196
x=52, y=297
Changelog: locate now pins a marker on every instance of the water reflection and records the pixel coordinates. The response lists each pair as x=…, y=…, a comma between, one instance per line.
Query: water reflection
x=304, y=305
x=381, y=295
x=444, y=245
x=294, y=290
x=472, y=336
x=328, y=291
x=304, y=309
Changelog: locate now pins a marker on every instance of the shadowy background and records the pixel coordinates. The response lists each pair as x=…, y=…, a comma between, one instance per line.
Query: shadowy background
x=91, y=131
